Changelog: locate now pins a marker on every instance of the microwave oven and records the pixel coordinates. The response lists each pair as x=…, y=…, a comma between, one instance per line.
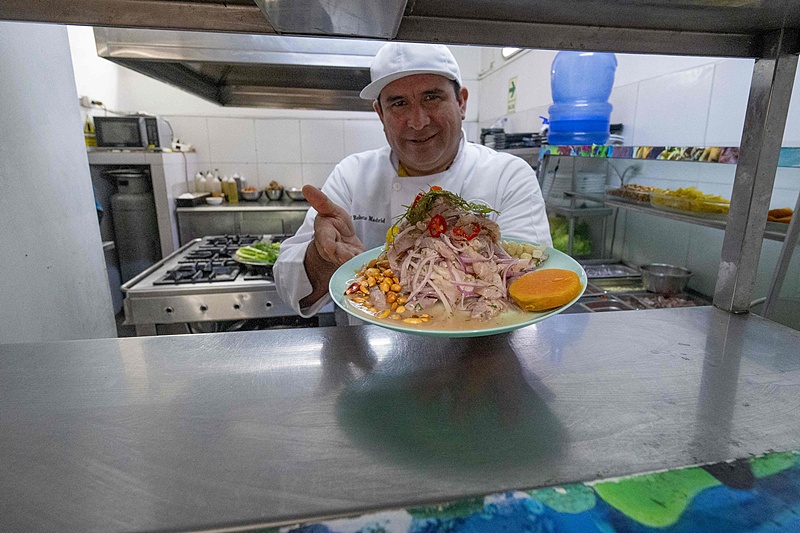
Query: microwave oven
x=133, y=131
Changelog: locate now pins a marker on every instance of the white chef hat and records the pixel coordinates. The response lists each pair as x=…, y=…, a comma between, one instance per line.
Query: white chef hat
x=398, y=60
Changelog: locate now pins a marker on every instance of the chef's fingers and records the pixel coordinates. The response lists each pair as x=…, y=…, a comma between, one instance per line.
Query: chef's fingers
x=327, y=208
x=331, y=244
x=325, y=238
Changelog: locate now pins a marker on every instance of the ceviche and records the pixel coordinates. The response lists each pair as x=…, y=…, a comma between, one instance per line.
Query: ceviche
x=443, y=257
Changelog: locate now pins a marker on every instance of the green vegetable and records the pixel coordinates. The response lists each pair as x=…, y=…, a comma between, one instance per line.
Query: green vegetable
x=581, y=242
x=424, y=201
x=262, y=252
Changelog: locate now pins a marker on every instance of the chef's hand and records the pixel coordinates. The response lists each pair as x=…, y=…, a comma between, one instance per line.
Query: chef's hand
x=334, y=243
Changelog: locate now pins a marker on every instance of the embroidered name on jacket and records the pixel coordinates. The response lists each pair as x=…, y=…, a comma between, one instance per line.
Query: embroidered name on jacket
x=370, y=218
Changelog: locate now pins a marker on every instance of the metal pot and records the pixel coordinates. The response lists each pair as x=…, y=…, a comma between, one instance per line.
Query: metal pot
x=295, y=194
x=665, y=279
x=274, y=194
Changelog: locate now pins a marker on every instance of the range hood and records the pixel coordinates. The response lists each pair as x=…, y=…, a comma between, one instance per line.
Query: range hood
x=248, y=70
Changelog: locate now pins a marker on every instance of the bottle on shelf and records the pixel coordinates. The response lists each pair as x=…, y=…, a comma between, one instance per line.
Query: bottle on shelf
x=215, y=185
x=229, y=188
x=199, y=182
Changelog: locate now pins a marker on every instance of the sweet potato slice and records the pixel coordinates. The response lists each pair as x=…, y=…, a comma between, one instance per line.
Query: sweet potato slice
x=545, y=289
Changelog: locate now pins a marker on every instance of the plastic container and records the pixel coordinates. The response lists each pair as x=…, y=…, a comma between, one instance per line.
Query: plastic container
x=199, y=182
x=695, y=206
x=581, y=83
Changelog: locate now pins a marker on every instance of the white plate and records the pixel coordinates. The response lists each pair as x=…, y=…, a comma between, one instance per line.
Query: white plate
x=345, y=275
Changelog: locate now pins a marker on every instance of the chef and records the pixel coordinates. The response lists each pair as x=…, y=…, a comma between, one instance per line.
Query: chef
x=418, y=94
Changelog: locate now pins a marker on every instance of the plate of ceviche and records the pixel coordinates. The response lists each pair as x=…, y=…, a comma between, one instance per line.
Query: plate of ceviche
x=445, y=271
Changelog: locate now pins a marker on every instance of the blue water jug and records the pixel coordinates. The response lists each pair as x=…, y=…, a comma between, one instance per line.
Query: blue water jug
x=581, y=83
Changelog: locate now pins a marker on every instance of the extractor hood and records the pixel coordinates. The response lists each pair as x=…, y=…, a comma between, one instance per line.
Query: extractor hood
x=248, y=70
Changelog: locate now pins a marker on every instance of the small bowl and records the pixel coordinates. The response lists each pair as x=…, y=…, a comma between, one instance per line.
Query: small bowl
x=295, y=194
x=214, y=200
x=274, y=194
x=665, y=279
x=251, y=195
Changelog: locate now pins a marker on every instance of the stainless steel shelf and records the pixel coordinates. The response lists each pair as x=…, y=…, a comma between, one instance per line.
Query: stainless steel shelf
x=708, y=222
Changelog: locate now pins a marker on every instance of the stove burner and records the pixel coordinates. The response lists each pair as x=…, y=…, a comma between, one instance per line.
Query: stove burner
x=259, y=272
x=201, y=272
x=231, y=241
x=209, y=253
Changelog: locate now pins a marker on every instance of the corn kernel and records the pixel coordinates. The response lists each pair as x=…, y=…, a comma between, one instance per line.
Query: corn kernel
x=372, y=310
x=391, y=297
x=395, y=317
x=400, y=309
x=388, y=273
x=394, y=305
x=384, y=313
x=425, y=319
x=402, y=299
x=396, y=287
x=384, y=287
x=364, y=289
x=412, y=320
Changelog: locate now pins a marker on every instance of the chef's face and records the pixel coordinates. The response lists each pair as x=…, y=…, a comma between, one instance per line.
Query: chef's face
x=421, y=116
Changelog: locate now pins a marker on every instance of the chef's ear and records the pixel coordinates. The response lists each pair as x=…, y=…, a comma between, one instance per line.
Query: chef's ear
x=376, y=105
x=463, y=94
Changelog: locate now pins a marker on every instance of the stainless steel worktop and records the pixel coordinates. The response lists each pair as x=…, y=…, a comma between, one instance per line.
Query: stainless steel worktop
x=256, y=428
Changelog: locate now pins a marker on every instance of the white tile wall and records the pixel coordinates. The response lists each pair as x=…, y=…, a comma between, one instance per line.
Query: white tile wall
x=673, y=109
x=278, y=141
x=362, y=135
x=791, y=136
x=729, y=95
x=705, y=251
x=317, y=173
x=286, y=174
x=232, y=140
x=322, y=141
x=194, y=131
x=664, y=242
x=624, y=101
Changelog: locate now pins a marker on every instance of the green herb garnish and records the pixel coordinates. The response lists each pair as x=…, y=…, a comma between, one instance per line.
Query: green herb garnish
x=424, y=202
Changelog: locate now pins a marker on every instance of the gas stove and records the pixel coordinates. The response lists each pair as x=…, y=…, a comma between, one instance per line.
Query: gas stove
x=202, y=282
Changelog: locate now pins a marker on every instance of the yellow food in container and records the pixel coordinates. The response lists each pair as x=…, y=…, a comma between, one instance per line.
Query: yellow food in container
x=690, y=199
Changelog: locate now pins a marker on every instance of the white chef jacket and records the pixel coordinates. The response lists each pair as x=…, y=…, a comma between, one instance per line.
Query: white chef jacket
x=367, y=186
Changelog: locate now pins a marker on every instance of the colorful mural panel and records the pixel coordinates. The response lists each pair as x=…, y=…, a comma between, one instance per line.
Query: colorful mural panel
x=758, y=494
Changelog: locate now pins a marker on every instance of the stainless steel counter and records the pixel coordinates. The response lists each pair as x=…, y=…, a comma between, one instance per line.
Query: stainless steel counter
x=256, y=428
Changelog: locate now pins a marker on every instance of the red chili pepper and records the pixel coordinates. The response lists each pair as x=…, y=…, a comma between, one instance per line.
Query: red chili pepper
x=435, y=188
x=353, y=288
x=417, y=199
x=437, y=225
x=476, y=230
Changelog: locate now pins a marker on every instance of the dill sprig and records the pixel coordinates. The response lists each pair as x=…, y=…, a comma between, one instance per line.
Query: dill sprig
x=417, y=211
